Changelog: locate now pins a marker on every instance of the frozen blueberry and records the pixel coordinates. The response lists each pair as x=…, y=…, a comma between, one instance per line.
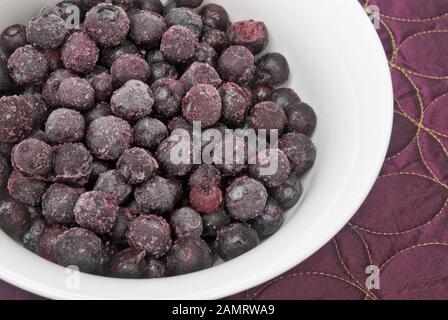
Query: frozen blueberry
x=6, y=82
x=26, y=190
x=262, y=93
x=136, y=166
x=12, y=38
x=285, y=97
x=76, y=93
x=200, y=73
x=174, y=155
x=96, y=211
x=108, y=137
x=205, y=174
x=129, y=67
x=178, y=44
x=113, y=184
x=100, y=110
x=150, y=233
x=237, y=64
x=271, y=167
x=109, y=55
x=234, y=240
x=58, y=203
x=65, y=125
x=234, y=103
x=16, y=119
x=301, y=119
x=31, y=237
x=157, y=195
x=202, y=104
x=28, y=66
x=272, y=69
x=39, y=107
x=54, y=59
x=155, y=269
x=124, y=218
x=126, y=4
x=133, y=101
x=149, y=133
x=215, y=16
x=51, y=86
x=205, y=54
x=98, y=167
x=5, y=171
x=72, y=164
x=188, y=255
x=245, y=198
x=289, y=193
x=206, y=197
x=215, y=221
x=108, y=25
x=151, y=5
x=46, y=31
x=101, y=82
x=14, y=219
x=300, y=151
x=168, y=95
x=185, y=17
x=79, y=247
x=47, y=242
x=80, y=53
x=32, y=157
x=147, y=28
x=269, y=116
x=270, y=221
x=179, y=123
x=186, y=221
x=234, y=162
x=217, y=39
x=251, y=34
x=128, y=264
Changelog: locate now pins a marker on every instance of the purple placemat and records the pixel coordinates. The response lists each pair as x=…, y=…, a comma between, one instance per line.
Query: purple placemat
x=399, y=237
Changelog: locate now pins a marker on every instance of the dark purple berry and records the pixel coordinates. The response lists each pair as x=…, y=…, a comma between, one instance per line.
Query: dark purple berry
x=129, y=67
x=28, y=66
x=262, y=93
x=300, y=151
x=245, y=198
x=108, y=25
x=58, y=204
x=155, y=269
x=31, y=237
x=128, y=264
x=72, y=164
x=108, y=137
x=186, y=221
x=5, y=171
x=47, y=242
x=97, y=211
x=151, y=234
x=206, y=198
x=271, y=167
x=6, y=82
x=235, y=240
x=65, y=125
x=205, y=174
x=133, y=101
x=251, y=34
x=26, y=190
x=100, y=110
x=51, y=86
x=79, y=247
x=151, y=5
x=215, y=16
x=215, y=221
x=268, y=116
x=203, y=104
x=272, y=69
x=205, y=54
x=54, y=59
x=149, y=133
x=178, y=44
x=80, y=53
x=185, y=17
x=113, y=184
x=301, y=119
x=126, y=4
x=101, y=82
x=157, y=195
x=136, y=166
x=237, y=64
x=217, y=39
x=76, y=93
x=200, y=73
x=32, y=157
x=175, y=146
x=124, y=218
x=234, y=103
x=289, y=193
x=188, y=255
x=109, y=55
x=14, y=219
x=12, y=38
x=270, y=221
x=285, y=97
x=47, y=31
x=16, y=119
x=98, y=167
x=168, y=95
x=147, y=28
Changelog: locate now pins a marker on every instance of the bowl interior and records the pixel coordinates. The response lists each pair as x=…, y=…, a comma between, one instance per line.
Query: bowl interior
x=338, y=67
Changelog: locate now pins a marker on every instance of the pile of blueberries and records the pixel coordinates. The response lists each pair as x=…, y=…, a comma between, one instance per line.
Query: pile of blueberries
x=88, y=120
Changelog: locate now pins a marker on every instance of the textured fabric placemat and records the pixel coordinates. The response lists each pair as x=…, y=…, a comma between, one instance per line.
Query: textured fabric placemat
x=402, y=228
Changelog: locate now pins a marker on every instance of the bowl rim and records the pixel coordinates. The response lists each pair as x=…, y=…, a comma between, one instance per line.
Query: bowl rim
x=361, y=31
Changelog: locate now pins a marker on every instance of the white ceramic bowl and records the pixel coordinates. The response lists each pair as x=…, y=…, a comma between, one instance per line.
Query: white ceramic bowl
x=338, y=66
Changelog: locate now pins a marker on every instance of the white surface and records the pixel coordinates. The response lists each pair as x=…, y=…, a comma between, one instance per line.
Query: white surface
x=338, y=66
